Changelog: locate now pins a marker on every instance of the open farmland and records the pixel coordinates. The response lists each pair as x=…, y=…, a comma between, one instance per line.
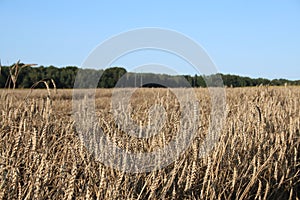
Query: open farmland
x=257, y=155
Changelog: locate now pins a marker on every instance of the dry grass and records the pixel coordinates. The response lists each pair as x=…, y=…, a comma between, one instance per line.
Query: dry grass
x=257, y=156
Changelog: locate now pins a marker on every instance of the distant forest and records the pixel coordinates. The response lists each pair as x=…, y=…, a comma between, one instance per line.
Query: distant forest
x=26, y=76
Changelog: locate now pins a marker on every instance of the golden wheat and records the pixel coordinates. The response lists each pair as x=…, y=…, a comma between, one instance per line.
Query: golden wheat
x=257, y=156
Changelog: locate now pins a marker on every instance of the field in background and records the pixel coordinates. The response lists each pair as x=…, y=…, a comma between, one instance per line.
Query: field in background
x=257, y=156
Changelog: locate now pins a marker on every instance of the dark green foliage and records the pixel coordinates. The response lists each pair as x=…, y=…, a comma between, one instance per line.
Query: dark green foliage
x=63, y=77
x=118, y=77
x=110, y=77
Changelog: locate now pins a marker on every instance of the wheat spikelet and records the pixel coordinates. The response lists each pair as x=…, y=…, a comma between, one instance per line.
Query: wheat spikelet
x=43, y=137
x=102, y=184
x=258, y=156
x=38, y=182
x=19, y=191
x=207, y=172
x=34, y=139
x=234, y=177
x=88, y=190
x=193, y=173
x=71, y=184
x=2, y=190
x=276, y=171
x=188, y=181
x=14, y=178
x=119, y=181
x=17, y=139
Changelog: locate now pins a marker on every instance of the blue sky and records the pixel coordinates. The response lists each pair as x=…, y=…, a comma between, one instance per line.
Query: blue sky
x=251, y=38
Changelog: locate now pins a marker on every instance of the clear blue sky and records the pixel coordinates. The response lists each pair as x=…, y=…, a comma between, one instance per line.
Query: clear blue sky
x=253, y=38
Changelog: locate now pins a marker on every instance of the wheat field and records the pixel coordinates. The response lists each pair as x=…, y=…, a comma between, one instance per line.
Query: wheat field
x=256, y=156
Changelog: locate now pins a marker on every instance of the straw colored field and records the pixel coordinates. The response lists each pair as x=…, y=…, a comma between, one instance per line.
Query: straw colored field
x=256, y=157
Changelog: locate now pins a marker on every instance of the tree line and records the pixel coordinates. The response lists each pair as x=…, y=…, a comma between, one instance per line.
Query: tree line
x=118, y=77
